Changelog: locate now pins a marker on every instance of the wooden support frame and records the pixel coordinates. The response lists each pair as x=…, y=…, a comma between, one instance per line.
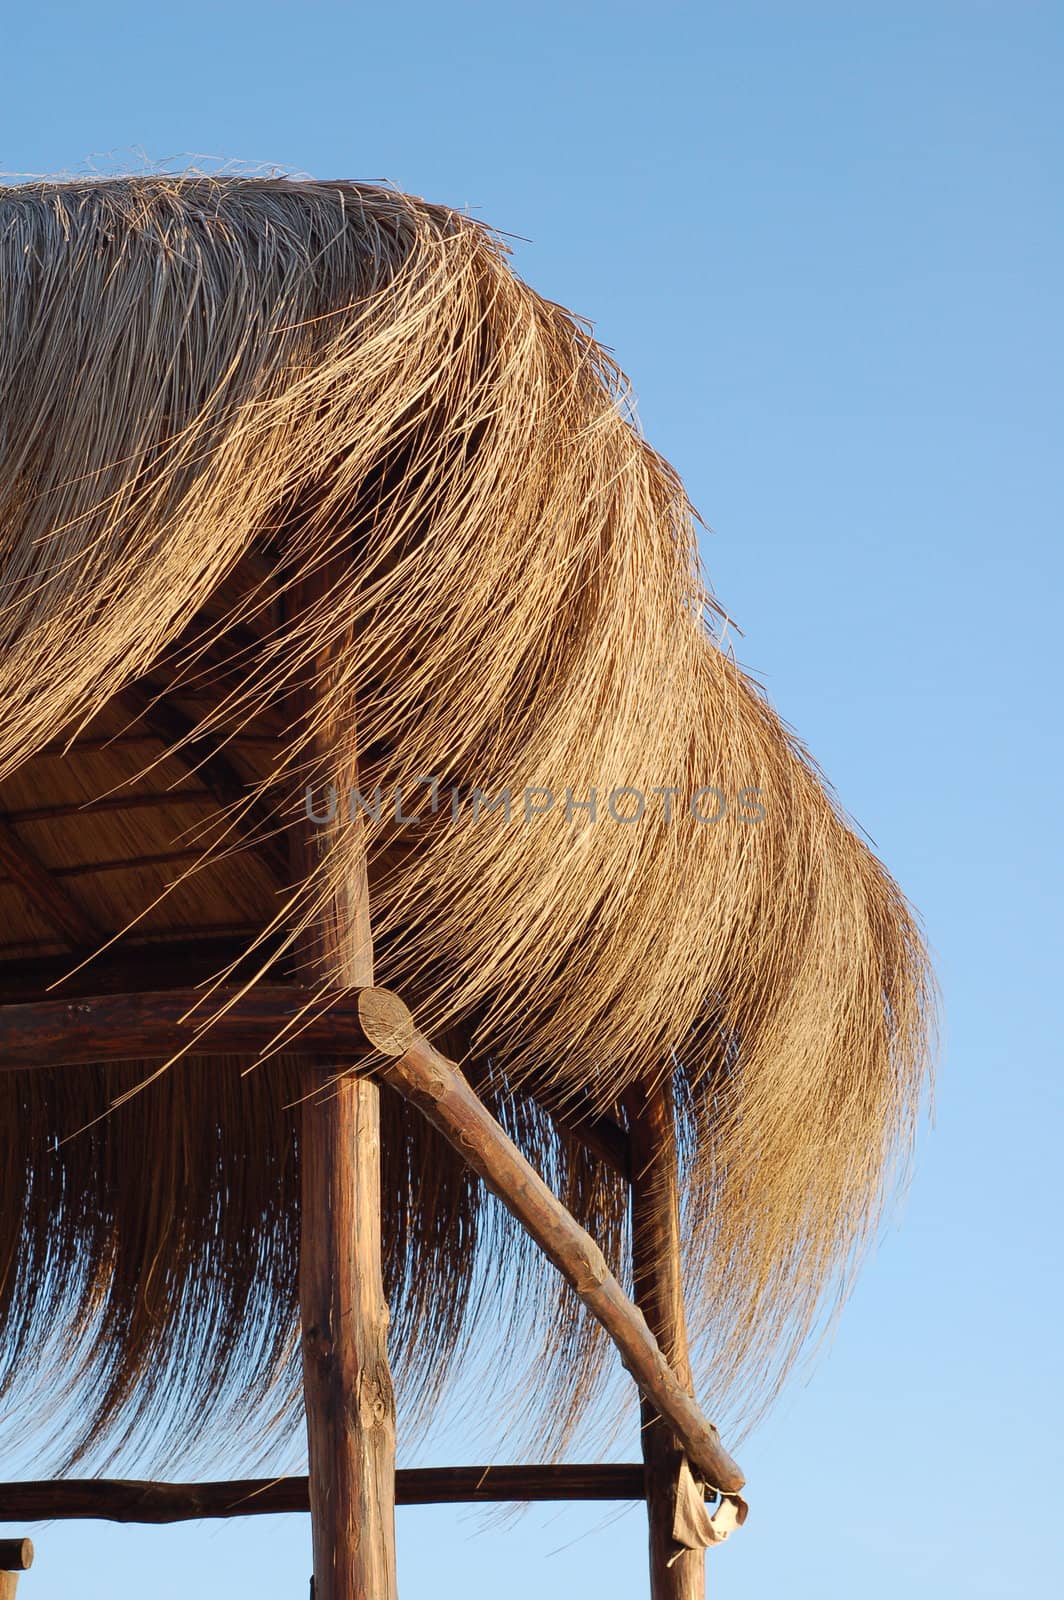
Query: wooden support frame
x=337, y=1115
x=352, y=1486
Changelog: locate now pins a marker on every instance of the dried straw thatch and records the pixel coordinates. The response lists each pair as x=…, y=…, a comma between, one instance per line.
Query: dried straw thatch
x=211, y=389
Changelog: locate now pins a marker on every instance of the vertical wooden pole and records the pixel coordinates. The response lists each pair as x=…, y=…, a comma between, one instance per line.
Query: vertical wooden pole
x=659, y=1295
x=347, y=1383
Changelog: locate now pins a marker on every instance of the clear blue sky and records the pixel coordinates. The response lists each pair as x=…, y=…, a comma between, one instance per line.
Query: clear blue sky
x=825, y=241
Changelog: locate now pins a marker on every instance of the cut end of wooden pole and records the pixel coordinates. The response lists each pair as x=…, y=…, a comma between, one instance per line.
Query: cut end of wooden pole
x=386, y=1022
x=16, y=1555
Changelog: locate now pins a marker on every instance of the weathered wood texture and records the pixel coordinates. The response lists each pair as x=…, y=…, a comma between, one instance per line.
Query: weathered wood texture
x=353, y=1023
x=438, y=1088
x=347, y=1383
x=658, y=1283
x=16, y=1555
x=130, y=1500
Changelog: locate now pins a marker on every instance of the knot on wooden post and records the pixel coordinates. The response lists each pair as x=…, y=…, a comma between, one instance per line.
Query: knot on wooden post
x=376, y=1397
x=591, y=1269
x=317, y=1345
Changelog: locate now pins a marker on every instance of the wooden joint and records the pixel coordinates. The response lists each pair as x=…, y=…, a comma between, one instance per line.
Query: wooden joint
x=386, y=1022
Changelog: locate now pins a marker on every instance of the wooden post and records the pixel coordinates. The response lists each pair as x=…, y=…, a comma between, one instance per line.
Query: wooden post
x=347, y=1383
x=658, y=1282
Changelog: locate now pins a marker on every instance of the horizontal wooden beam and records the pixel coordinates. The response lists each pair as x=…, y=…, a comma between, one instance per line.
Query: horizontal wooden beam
x=147, y=1027
x=187, y=955
x=129, y=1500
x=157, y=858
x=436, y=1086
x=131, y=800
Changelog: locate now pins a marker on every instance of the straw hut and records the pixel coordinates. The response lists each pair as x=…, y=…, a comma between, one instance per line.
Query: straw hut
x=385, y=830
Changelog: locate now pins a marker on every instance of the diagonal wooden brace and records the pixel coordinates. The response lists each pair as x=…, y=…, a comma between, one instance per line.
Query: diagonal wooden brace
x=436, y=1086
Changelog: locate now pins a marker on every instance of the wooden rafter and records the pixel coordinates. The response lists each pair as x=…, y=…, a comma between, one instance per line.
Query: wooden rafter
x=133, y=800
x=188, y=955
x=206, y=758
x=24, y=867
x=96, y=744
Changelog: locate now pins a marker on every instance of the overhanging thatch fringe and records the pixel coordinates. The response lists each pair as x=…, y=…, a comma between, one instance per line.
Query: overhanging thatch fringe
x=215, y=387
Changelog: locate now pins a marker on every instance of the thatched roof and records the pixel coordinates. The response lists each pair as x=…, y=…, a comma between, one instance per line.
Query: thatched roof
x=209, y=389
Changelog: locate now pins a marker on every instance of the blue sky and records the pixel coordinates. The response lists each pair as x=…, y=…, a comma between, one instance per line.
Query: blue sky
x=825, y=240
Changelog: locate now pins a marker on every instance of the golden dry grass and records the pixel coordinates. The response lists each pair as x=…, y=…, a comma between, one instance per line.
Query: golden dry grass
x=330, y=376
